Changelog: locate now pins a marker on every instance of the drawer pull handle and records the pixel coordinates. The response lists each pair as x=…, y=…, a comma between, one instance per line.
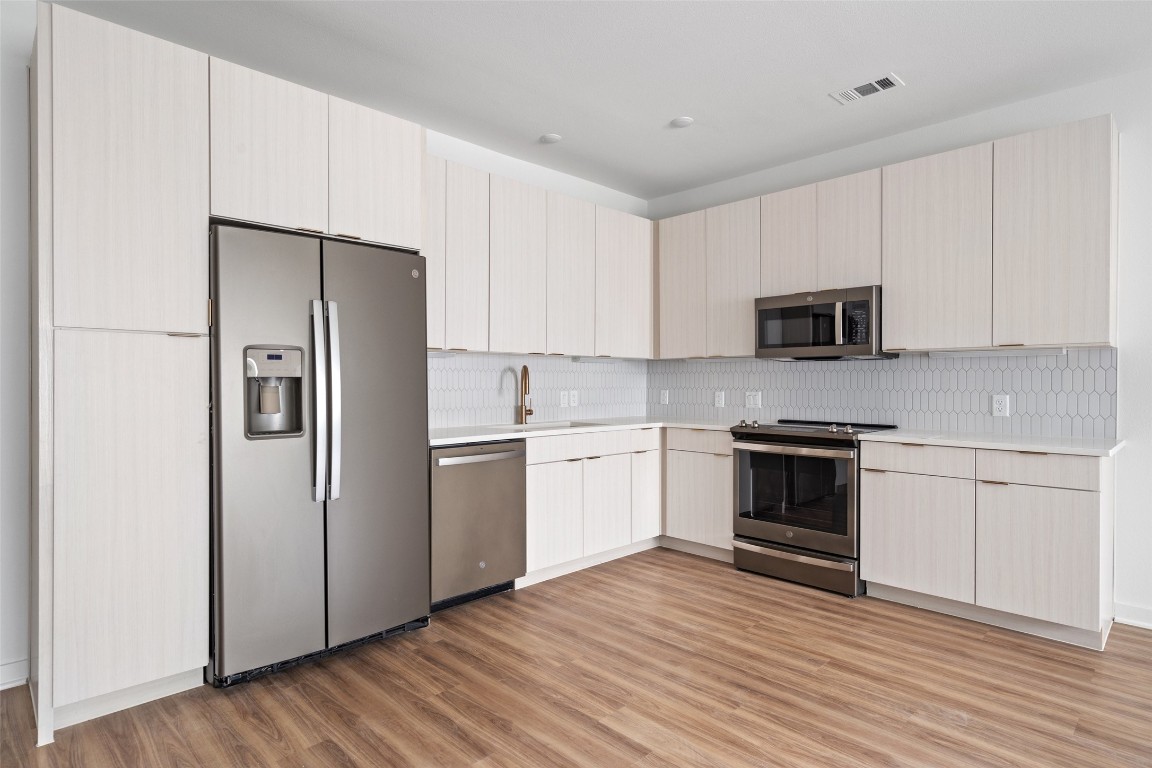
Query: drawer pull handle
x=1009, y=345
x=995, y=482
x=309, y=229
x=592, y=458
x=1033, y=453
x=877, y=471
x=723, y=455
x=571, y=460
x=457, y=349
x=912, y=445
x=350, y=237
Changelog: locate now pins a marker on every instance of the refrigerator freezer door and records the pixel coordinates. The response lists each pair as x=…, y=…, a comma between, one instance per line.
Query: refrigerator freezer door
x=378, y=568
x=268, y=533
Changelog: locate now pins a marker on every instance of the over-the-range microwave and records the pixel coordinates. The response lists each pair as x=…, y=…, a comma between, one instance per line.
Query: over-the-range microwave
x=841, y=324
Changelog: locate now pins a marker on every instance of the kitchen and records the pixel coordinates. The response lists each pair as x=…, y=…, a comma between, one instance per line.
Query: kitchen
x=931, y=393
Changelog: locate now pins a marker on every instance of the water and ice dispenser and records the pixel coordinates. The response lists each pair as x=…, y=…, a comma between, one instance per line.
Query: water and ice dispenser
x=273, y=402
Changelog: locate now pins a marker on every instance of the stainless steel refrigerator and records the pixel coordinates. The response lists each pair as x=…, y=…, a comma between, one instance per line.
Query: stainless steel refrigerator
x=319, y=447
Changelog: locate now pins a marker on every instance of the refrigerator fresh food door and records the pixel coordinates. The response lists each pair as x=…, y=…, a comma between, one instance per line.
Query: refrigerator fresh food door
x=378, y=568
x=268, y=532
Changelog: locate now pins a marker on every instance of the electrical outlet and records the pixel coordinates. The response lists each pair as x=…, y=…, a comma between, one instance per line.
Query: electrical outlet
x=752, y=400
x=1001, y=405
x=719, y=398
x=573, y=399
x=563, y=398
x=663, y=397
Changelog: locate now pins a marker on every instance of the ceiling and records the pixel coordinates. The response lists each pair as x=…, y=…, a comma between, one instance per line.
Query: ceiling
x=608, y=76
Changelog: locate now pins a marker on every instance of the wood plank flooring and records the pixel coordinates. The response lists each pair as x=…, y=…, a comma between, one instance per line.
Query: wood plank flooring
x=659, y=659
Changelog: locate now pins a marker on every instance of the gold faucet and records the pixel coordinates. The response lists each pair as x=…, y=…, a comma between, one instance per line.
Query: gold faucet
x=525, y=411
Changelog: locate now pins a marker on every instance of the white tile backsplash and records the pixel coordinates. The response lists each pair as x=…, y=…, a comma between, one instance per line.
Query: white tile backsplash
x=1071, y=395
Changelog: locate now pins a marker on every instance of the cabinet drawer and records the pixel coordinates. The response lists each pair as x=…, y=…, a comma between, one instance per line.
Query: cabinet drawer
x=919, y=459
x=1053, y=470
x=542, y=450
x=700, y=440
x=646, y=439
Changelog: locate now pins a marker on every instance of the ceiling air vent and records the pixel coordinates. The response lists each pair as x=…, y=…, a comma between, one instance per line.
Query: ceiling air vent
x=867, y=89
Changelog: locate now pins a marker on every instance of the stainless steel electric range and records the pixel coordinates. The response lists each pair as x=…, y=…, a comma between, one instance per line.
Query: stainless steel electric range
x=797, y=501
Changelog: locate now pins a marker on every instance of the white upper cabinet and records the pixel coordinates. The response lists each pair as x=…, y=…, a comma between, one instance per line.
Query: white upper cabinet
x=733, y=235
x=466, y=259
x=374, y=169
x=624, y=322
x=130, y=160
x=848, y=231
x=1054, y=236
x=518, y=278
x=269, y=149
x=683, y=290
x=435, y=202
x=788, y=242
x=938, y=251
x=571, y=230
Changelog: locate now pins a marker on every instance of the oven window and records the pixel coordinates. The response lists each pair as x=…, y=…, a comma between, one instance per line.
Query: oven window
x=812, y=325
x=796, y=491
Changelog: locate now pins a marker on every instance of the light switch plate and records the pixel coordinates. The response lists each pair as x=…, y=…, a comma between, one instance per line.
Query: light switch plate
x=663, y=397
x=719, y=398
x=573, y=399
x=563, y=398
x=753, y=399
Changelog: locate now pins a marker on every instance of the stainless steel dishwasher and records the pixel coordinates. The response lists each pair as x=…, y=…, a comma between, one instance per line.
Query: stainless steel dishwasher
x=478, y=520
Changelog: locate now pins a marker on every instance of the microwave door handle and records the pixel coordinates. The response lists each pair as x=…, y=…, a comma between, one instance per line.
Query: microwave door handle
x=839, y=324
x=320, y=404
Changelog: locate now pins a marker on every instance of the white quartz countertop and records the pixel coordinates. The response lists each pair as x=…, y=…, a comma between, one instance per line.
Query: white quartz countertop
x=1081, y=446
x=488, y=433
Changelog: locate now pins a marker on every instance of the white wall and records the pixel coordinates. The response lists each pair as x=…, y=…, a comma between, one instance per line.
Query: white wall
x=1129, y=99
x=17, y=25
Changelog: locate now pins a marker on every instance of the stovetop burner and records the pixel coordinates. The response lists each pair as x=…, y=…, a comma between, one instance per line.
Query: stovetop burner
x=825, y=430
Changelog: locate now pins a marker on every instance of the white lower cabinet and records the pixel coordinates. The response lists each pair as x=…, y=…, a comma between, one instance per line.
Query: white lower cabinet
x=918, y=533
x=607, y=503
x=699, y=497
x=130, y=557
x=555, y=497
x=646, y=495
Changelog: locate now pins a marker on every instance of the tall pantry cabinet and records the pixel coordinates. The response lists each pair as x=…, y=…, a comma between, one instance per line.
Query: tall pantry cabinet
x=120, y=427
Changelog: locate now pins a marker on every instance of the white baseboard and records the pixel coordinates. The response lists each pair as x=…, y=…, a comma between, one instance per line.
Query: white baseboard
x=692, y=548
x=585, y=562
x=98, y=706
x=13, y=673
x=1135, y=615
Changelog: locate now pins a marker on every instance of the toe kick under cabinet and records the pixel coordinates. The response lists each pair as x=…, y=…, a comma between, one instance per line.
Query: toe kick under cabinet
x=1020, y=539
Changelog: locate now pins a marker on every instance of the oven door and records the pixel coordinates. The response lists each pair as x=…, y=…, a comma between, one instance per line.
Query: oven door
x=803, y=496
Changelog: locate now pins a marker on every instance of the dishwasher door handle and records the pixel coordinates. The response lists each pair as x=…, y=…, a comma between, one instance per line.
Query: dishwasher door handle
x=449, y=461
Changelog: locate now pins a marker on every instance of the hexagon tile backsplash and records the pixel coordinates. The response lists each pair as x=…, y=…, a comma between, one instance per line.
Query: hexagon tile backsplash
x=1072, y=395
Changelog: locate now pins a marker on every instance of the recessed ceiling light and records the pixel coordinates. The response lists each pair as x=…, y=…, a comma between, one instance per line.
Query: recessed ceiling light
x=681, y=122
x=550, y=138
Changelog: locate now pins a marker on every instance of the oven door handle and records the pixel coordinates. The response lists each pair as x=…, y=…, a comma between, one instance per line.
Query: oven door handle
x=795, y=450
x=834, y=564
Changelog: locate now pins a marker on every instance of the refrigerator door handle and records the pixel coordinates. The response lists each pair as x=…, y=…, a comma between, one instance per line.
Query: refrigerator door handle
x=319, y=404
x=335, y=399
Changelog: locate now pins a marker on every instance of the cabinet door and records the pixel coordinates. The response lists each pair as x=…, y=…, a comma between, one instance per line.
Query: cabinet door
x=555, y=498
x=938, y=251
x=607, y=503
x=466, y=259
x=374, y=169
x=571, y=226
x=683, y=289
x=269, y=149
x=1038, y=553
x=623, y=284
x=733, y=278
x=434, y=208
x=131, y=510
x=518, y=284
x=848, y=231
x=646, y=495
x=788, y=248
x=1054, y=236
x=130, y=198
x=918, y=532
x=699, y=497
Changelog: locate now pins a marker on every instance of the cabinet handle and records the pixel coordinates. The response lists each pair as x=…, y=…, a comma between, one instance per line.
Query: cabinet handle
x=1009, y=345
x=184, y=335
x=639, y=451
x=309, y=229
x=1033, y=453
x=572, y=460
x=896, y=349
x=995, y=482
x=723, y=455
x=877, y=471
x=457, y=349
x=350, y=237
x=913, y=445
x=591, y=458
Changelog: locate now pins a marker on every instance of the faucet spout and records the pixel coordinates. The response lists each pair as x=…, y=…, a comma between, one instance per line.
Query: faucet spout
x=525, y=409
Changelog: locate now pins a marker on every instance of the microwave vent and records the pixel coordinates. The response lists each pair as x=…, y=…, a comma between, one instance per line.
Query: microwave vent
x=884, y=83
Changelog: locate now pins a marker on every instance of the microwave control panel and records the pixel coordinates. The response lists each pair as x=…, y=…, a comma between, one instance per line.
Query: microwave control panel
x=856, y=322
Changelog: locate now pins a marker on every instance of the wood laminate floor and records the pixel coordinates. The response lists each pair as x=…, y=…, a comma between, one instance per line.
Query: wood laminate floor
x=659, y=659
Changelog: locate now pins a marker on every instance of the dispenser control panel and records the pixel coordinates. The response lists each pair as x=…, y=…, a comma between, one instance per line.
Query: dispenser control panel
x=273, y=362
